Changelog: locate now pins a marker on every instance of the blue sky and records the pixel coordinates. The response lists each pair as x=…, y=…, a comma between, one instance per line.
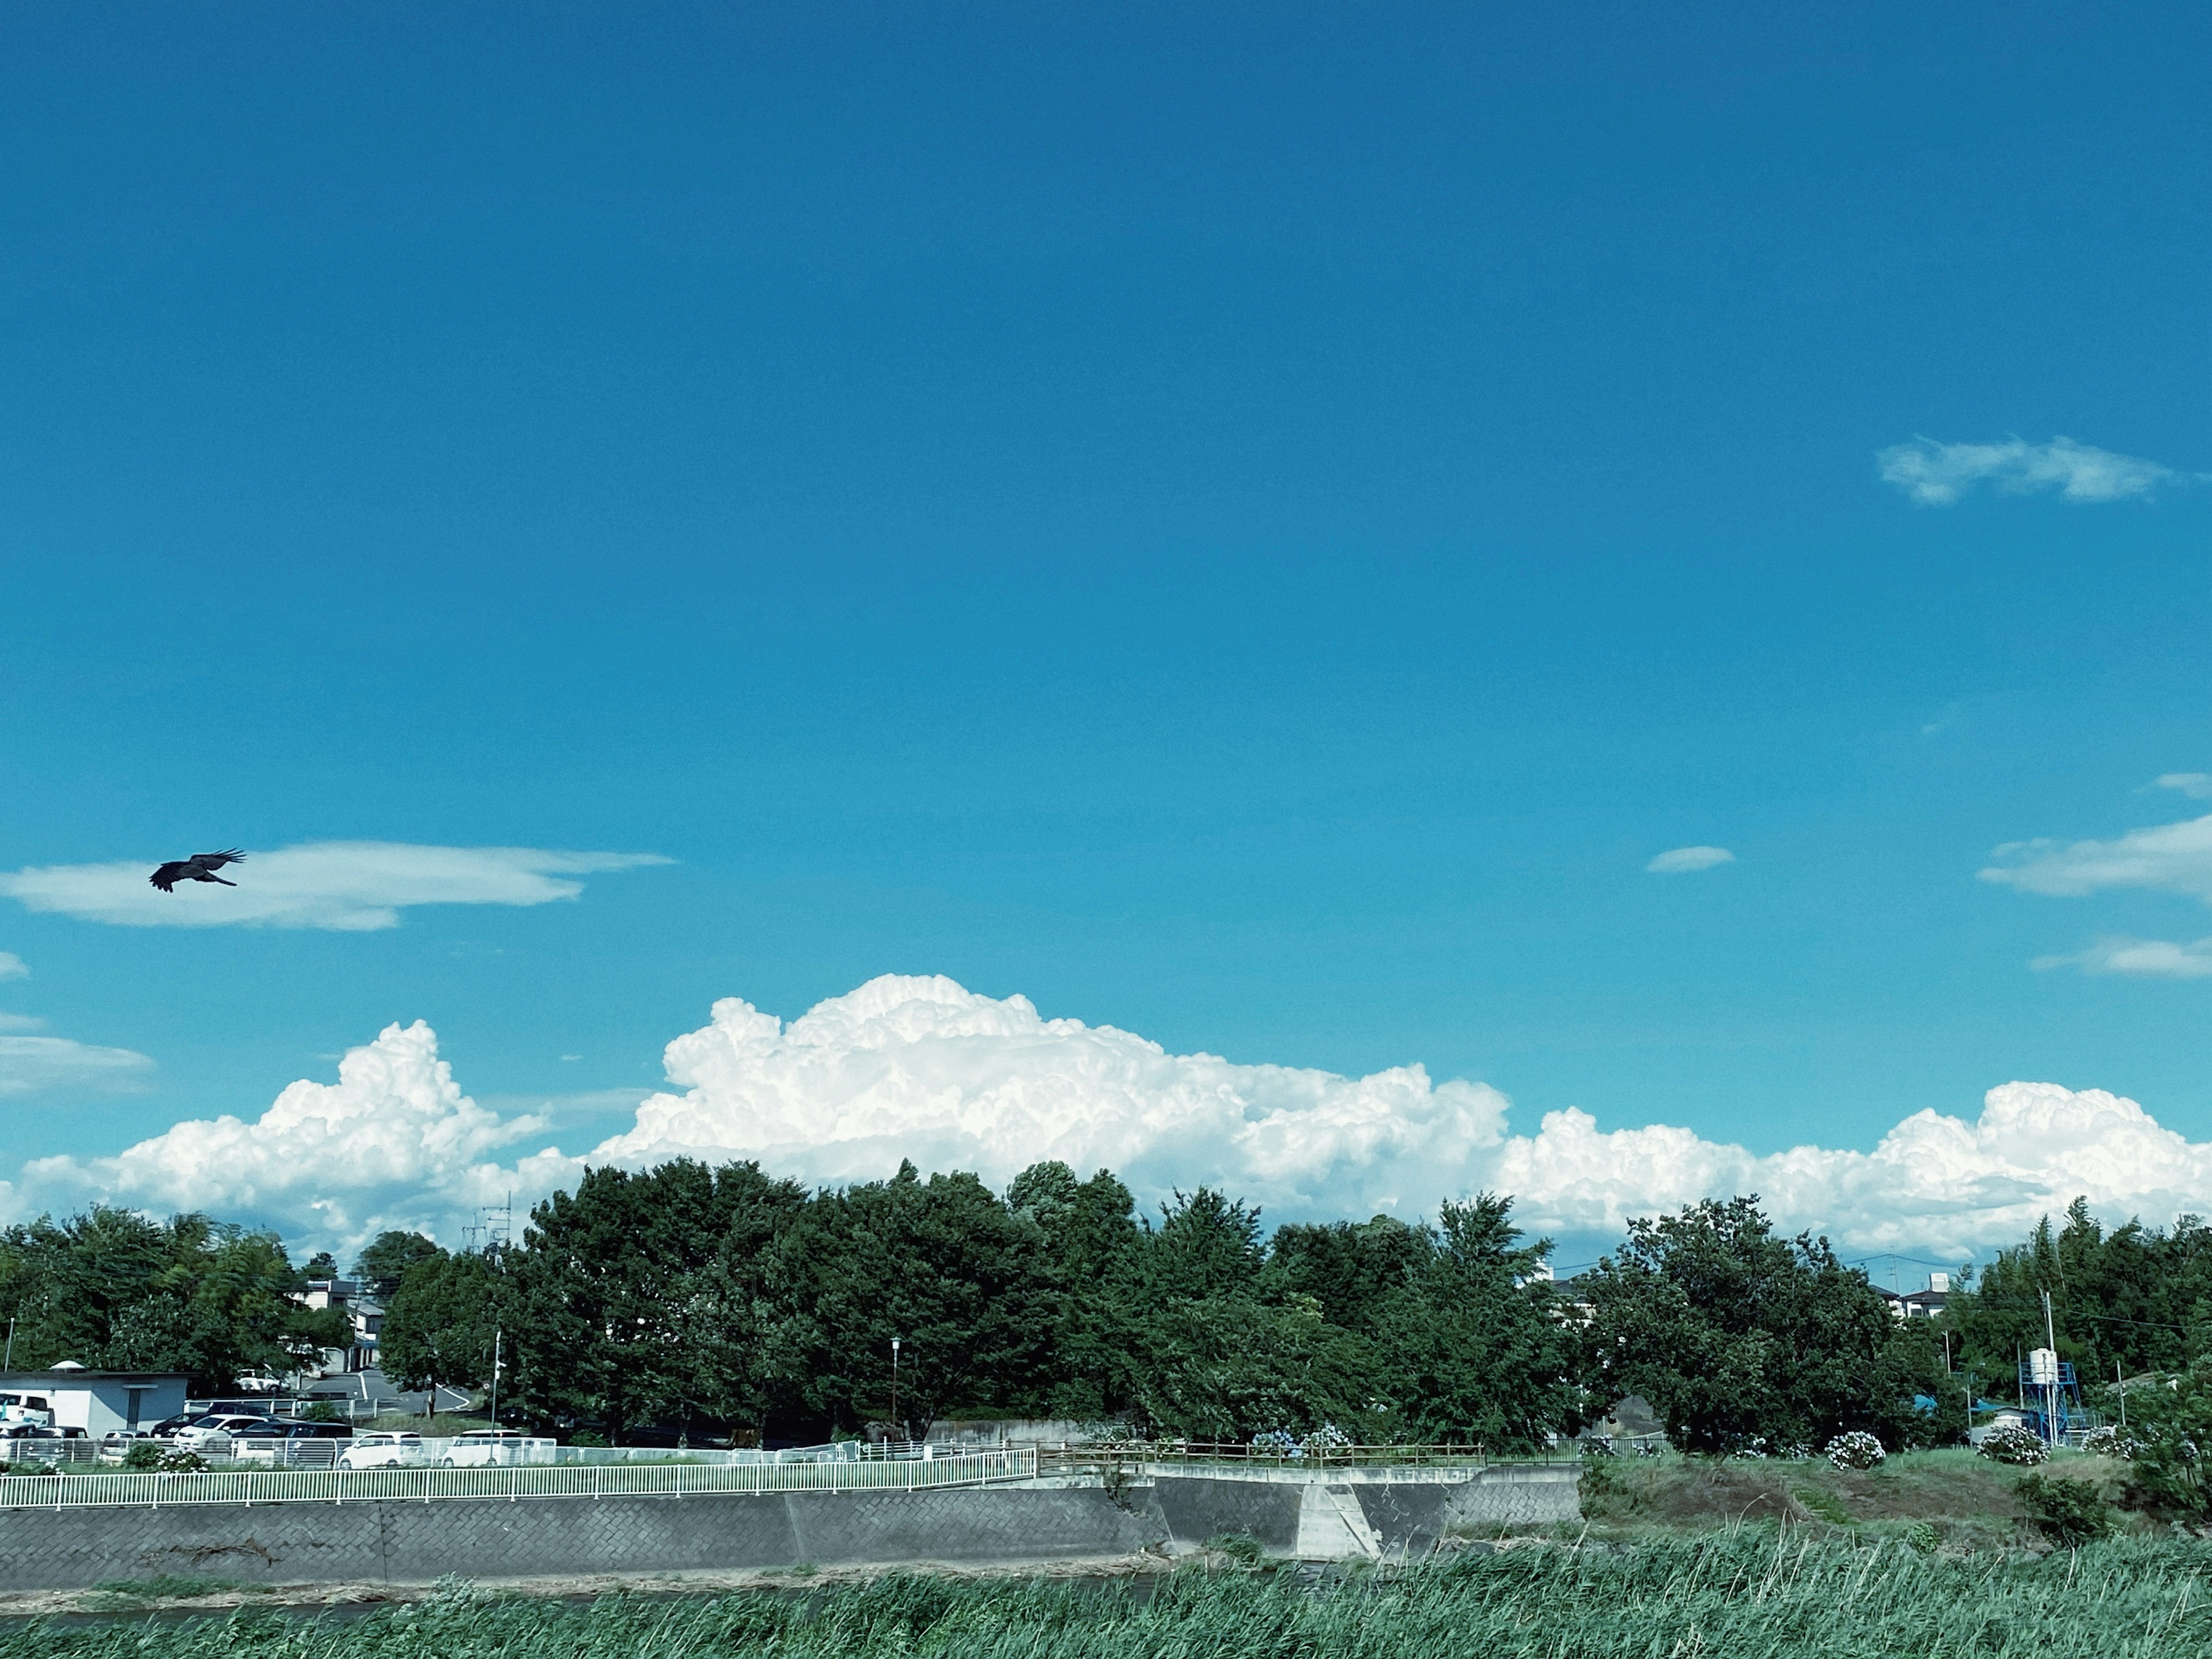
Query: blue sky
x=1248, y=525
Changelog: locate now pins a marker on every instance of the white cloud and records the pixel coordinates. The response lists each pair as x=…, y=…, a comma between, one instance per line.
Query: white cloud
x=12, y=966
x=1683, y=861
x=2197, y=786
x=2173, y=858
x=1937, y=474
x=32, y=1063
x=920, y=1068
x=350, y=886
x=393, y=1142
x=2139, y=958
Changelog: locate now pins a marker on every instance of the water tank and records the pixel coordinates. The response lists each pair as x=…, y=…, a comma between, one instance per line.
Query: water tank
x=2042, y=1368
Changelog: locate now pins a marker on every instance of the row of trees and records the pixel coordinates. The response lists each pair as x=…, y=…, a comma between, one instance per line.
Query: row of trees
x=710, y=1300
x=701, y=1299
x=115, y=1291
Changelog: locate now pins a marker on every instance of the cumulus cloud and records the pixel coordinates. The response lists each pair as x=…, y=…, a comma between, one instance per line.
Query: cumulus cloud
x=1685, y=860
x=1937, y=474
x=32, y=1063
x=394, y=1142
x=2197, y=786
x=11, y=966
x=2139, y=958
x=2173, y=858
x=350, y=886
x=922, y=1068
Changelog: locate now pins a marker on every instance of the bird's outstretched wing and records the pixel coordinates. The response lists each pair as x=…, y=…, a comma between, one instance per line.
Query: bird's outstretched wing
x=166, y=877
x=217, y=861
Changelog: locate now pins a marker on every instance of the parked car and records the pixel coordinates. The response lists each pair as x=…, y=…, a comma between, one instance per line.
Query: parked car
x=212, y=1435
x=287, y=1441
x=33, y=1408
x=382, y=1451
x=482, y=1447
x=259, y=1385
x=170, y=1427
x=35, y=1440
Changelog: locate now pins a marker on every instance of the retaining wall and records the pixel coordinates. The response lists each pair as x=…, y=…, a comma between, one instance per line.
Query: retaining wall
x=397, y=1542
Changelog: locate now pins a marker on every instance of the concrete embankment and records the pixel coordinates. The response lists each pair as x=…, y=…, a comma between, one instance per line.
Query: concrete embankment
x=394, y=1542
x=1345, y=1515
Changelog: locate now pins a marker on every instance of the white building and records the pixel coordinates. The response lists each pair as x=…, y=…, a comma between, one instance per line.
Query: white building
x=350, y=1297
x=97, y=1403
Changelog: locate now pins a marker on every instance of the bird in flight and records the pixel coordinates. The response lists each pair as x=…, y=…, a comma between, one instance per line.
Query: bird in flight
x=201, y=867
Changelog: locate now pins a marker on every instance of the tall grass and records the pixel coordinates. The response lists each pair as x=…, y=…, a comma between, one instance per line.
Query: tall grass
x=1749, y=1594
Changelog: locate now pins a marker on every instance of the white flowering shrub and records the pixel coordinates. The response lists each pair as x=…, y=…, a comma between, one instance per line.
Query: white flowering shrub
x=1326, y=1437
x=2106, y=1442
x=2014, y=1443
x=1856, y=1451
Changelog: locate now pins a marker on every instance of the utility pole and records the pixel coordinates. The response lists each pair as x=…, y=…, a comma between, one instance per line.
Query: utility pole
x=2050, y=1388
x=2119, y=1384
x=495, y=1335
x=895, y=1416
x=9, y=1363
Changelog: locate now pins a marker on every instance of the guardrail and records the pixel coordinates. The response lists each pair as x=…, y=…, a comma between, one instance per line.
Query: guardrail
x=1131, y=1455
x=511, y=1481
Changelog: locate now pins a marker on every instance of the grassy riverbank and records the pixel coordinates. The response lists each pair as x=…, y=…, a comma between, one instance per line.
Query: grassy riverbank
x=1963, y=1500
x=1751, y=1592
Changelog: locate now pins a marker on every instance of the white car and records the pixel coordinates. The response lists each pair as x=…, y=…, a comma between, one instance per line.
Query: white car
x=210, y=1436
x=484, y=1447
x=382, y=1451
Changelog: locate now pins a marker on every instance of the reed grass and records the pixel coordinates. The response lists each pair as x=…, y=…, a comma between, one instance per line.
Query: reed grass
x=1771, y=1596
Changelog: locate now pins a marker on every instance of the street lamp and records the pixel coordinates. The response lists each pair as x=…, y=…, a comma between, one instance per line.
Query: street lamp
x=895, y=1359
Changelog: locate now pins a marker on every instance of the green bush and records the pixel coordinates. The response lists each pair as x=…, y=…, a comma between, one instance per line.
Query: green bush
x=144, y=1454
x=2071, y=1513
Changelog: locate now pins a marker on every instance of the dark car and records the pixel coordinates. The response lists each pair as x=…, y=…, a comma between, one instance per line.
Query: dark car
x=286, y=1440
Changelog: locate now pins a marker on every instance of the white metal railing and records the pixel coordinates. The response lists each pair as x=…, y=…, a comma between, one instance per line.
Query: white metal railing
x=319, y=1453
x=513, y=1480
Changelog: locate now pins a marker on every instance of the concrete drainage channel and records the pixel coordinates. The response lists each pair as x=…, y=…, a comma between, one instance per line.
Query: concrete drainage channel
x=1350, y=1515
x=1340, y=1514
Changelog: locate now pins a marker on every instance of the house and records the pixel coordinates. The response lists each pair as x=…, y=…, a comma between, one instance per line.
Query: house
x=95, y=1403
x=367, y=1316
x=1920, y=1304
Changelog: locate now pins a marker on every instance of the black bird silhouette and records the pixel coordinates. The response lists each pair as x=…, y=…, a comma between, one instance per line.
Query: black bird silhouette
x=201, y=867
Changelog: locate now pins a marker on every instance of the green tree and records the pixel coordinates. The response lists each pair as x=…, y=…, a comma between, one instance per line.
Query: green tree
x=1356, y=1270
x=1230, y=1367
x=113, y=1289
x=1206, y=1245
x=2171, y=1429
x=637, y=1295
x=1479, y=1343
x=384, y=1262
x=943, y=1265
x=441, y=1324
x=1090, y=1273
x=1742, y=1341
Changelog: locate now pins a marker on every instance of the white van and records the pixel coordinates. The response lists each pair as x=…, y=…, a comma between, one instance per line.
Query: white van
x=34, y=1409
x=484, y=1447
x=381, y=1451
